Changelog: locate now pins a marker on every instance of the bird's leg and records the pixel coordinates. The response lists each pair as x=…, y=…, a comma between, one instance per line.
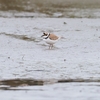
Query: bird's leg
x=50, y=46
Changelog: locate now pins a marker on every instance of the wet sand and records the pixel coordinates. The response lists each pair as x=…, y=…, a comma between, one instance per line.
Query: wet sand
x=70, y=69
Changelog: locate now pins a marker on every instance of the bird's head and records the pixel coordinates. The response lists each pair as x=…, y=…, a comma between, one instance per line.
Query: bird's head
x=45, y=34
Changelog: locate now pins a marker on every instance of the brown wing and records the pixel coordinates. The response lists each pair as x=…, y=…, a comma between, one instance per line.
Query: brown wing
x=53, y=37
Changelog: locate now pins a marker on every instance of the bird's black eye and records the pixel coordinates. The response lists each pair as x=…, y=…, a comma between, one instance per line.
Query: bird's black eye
x=44, y=33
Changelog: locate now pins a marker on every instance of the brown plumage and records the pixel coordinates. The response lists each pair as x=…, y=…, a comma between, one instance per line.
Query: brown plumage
x=53, y=37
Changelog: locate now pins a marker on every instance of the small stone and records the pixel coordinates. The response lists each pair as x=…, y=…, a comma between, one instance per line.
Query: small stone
x=64, y=59
x=65, y=23
x=8, y=57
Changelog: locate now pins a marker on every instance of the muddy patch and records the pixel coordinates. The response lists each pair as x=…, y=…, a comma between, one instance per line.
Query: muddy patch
x=50, y=8
x=8, y=84
x=21, y=37
x=78, y=80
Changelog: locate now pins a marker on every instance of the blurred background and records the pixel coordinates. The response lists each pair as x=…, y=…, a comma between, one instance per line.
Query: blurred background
x=50, y=8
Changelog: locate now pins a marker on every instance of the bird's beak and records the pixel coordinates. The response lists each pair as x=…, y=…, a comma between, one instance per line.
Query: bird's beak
x=43, y=35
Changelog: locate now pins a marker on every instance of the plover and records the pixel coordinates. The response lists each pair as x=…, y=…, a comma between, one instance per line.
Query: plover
x=50, y=39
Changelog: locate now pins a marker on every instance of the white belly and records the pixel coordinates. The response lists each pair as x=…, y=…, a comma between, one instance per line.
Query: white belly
x=48, y=41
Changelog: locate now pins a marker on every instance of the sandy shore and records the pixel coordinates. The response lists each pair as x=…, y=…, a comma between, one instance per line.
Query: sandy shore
x=76, y=55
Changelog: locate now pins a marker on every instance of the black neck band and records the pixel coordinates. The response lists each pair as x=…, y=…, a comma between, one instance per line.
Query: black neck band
x=47, y=36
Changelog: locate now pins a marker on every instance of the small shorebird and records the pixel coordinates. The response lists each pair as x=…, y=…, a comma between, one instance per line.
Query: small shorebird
x=50, y=39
